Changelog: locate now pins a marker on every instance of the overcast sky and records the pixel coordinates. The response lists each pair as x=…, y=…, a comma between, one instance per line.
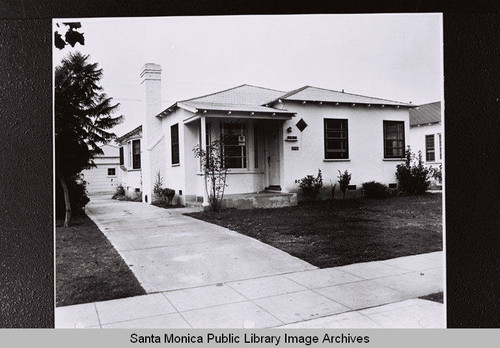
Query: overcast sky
x=396, y=57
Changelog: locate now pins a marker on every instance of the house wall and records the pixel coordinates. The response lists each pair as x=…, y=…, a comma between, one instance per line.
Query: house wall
x=130, y=179
x=417, y=143
x=174, y=175
x=157, y=158
x=98, y=180
x=365, y=142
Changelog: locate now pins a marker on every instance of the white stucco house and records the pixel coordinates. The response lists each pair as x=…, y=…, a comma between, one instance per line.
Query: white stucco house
x=279, y=137
x=426, y=129
x=103, y=179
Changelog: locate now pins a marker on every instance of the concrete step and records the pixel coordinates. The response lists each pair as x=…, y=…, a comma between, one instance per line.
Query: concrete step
x=195, y=205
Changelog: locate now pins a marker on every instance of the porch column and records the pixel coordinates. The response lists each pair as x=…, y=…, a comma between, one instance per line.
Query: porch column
x=203, y=142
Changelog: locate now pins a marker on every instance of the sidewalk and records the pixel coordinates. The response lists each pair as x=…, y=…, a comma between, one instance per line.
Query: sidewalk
x=364, y=295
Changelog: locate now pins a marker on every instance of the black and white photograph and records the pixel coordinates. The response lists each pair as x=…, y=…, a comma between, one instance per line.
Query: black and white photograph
x=249, y=171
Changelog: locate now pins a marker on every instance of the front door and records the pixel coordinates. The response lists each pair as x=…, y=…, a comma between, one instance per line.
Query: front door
x=273, y=157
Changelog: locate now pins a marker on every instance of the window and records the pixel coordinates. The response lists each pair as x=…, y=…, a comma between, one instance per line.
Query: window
x=234, y=149
x=121, y=156
x=440, y=147
x=336, y=142
x=136, y=154
x=394, y=139
x=111, y=171
x=174, y=138
x=429, y=148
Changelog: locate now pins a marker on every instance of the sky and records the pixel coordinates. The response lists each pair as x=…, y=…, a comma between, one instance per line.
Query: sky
x=391, y=56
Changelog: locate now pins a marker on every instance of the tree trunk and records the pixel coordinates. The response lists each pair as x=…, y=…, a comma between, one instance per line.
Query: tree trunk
x=67, y=203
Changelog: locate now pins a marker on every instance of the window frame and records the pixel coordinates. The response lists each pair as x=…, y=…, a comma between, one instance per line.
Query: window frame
x=135, y=158
x=174, y=144
x=341, y=139
x=387, y=123
x=243, y=131
x=122, y=156
x=430, y=152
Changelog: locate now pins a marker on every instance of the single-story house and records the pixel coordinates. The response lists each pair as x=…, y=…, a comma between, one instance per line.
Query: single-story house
x=103, y=179
x=278, y=137
x=426, y=131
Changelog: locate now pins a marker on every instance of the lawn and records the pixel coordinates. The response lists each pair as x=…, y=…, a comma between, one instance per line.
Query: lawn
x=88, y=268
x=328, y=234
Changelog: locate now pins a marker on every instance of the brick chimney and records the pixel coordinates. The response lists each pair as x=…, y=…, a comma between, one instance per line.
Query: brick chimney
x=151, y=125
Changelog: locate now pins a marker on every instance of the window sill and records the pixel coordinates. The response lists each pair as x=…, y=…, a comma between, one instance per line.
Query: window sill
x=336, y=160
x=394, y=159
x=176, y=165
x=134, y=170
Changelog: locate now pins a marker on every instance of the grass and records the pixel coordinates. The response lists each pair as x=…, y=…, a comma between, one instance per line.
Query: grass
x=88, y=268
x=329, y=234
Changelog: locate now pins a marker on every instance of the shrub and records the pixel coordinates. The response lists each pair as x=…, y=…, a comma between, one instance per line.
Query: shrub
x=373, y=189
x=344, y=180
x=119, y=192
x=168, y=194
x=412, y=175
x=311, y=186
x=436, y=173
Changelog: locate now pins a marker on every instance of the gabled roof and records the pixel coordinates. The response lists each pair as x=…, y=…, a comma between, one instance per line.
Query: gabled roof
x=245, y=98
x=243, y=95
x=135, y=131
x=426, y=114
x=316, y=94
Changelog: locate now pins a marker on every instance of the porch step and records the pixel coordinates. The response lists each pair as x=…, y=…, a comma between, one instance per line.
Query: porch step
x=194, y=204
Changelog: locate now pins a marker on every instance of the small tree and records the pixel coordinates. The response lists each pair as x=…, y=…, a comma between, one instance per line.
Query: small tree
x=214, y=172
x=412, y=175
x=157, y=188
x=311, y=186
x=344, y=180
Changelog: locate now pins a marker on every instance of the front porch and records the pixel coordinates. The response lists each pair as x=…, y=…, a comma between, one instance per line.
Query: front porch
x=264, y=199
x=252, y=149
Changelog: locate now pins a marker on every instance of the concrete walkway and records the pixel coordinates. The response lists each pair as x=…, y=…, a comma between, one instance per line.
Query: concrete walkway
x=199, y=275
x=167, y=250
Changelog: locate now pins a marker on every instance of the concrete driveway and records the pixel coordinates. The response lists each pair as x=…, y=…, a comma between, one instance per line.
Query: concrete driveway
x=169, y=251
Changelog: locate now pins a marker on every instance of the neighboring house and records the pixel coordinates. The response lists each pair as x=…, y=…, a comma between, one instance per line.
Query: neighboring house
x=276, y=138
x=426, y=131
x=103, y=179
x=130, y=172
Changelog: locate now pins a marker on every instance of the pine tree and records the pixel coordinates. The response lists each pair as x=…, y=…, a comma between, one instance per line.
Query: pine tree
x=82, y=119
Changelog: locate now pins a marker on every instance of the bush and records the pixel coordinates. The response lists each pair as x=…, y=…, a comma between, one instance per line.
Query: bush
x=168, y=194
x=344, y=180
x=77, y=189
x=412, y=175
x=436, y=173
x=373, y=189
x=119, y=192
x=311, y=186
